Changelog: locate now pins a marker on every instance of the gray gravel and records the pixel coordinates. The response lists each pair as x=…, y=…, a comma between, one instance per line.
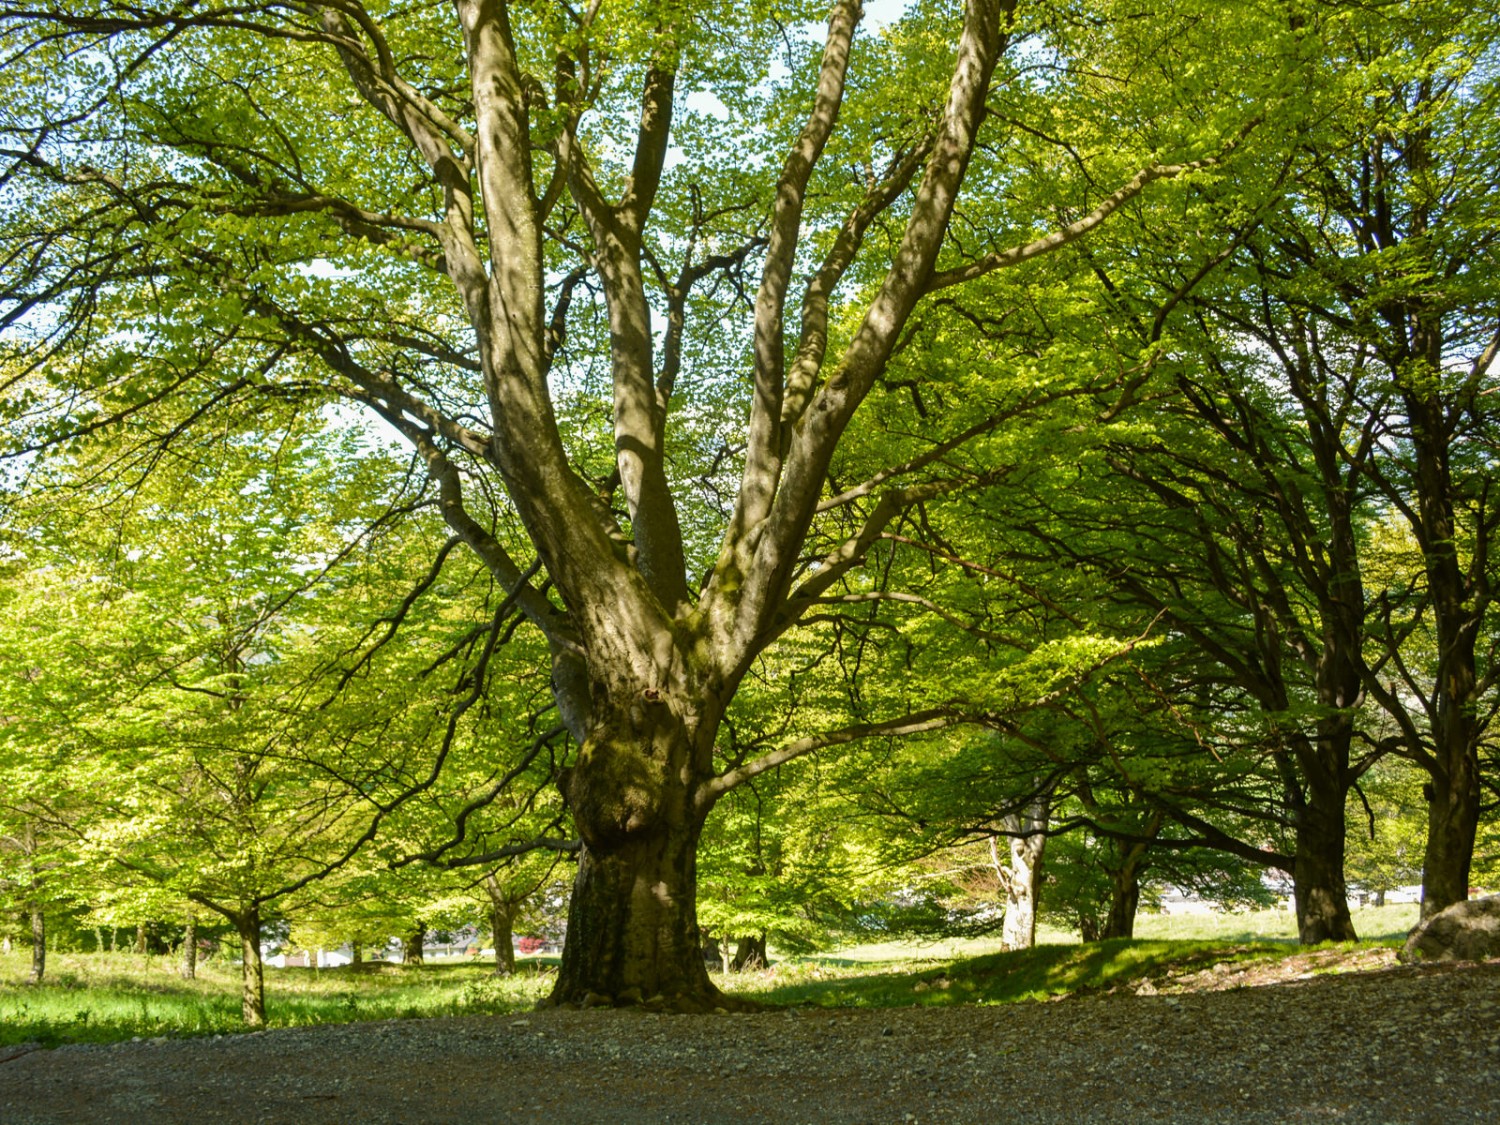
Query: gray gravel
x=1398, y=1045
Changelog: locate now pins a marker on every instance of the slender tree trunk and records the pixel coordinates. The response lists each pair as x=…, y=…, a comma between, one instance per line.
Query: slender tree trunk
x=140, y=939
x=190, y=949
x=253, y=978
x=502, y=918
x=38, y=945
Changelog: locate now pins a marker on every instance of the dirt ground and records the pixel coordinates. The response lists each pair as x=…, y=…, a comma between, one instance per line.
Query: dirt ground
x=1322, y=1037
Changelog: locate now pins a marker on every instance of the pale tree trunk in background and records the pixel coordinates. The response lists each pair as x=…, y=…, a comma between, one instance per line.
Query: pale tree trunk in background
x=38, y=945
x=190, y=949
x=1020, y=871
x=140, y=938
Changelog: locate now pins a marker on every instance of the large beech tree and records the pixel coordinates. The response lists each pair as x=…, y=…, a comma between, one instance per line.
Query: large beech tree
x=465, y=218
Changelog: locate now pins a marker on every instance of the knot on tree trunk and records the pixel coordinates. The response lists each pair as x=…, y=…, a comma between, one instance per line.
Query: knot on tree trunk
x=614, y=793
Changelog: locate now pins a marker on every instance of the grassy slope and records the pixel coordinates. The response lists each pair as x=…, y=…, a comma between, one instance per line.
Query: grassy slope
x=108, y=997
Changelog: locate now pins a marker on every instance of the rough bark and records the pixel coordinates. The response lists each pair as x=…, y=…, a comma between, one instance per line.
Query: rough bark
x=253, y=974
x=633, y=932
x=1322, y=897
x=1459, y=601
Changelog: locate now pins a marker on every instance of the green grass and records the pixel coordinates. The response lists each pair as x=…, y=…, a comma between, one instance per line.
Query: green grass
x=103, y=998
x=1040, y=973
x=109, y=997
x=976, y=971
x=1373, y=923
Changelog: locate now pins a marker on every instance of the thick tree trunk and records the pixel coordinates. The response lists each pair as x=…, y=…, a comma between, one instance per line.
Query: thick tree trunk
x=1125, y=886
x=633, y=933
x=411, y=954
x=253, y=976
x=356, y=954
x=190, y=949
x=1318, y=875
x=751, y=953
x=140, y=939
x=1124, y=901
x=633, y=927
x=1452, y=823
x=1461, y=594
x=502, y=920
x=38, y=945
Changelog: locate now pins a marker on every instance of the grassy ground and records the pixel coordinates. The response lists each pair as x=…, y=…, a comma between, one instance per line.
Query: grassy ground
x=108, y=997
x=993, y=978
x=1384, y=923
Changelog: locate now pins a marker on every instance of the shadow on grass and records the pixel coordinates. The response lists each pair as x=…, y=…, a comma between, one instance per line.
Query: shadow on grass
x=1040, y=973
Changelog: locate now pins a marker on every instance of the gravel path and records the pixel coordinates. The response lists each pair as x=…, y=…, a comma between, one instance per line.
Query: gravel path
x=1394, y=1045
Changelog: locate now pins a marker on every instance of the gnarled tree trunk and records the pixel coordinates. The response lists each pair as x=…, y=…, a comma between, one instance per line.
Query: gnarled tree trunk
x=633, y=932
x=1020, y=872
x=750, y=953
